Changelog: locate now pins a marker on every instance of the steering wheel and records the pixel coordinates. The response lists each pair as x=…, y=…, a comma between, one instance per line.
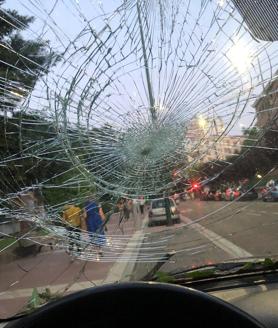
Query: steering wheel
x=138, y=304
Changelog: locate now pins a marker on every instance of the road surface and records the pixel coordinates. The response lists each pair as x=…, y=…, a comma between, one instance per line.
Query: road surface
x=209, y=232
x=212, y=232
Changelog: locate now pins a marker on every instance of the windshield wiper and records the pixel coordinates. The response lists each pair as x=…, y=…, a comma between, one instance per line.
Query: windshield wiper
x=223, y=269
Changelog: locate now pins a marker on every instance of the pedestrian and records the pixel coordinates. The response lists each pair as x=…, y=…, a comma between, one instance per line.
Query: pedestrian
x=136, y=209
x=142, y=204
x=176, y=198
x=207, y=189
x=270, y=183
x=72, y=217
x=120, y=206
x=126, y=210
x=130, y=207
x=95, y=224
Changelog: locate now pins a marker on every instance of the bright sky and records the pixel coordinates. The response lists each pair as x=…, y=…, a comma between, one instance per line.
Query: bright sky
x=61, y=23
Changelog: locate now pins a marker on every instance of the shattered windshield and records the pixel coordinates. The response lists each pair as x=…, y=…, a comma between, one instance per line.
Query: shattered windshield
x=110, y=109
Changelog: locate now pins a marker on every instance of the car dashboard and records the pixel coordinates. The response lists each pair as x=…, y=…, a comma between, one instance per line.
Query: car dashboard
x=260, y=301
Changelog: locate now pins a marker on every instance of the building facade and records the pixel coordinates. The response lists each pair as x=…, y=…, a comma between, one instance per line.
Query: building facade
x=206, y=143
x=267, y=105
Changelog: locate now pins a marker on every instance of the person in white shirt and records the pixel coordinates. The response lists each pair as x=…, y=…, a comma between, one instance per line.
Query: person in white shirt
x=142, y=204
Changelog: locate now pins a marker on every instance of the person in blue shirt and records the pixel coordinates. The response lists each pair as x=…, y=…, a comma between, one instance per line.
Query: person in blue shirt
x=95, y=224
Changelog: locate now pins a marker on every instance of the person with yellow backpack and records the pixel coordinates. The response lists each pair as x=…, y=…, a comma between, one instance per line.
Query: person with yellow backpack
x=72, y=216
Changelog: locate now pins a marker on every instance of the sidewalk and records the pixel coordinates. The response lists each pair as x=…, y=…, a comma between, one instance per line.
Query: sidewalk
x=55, y=270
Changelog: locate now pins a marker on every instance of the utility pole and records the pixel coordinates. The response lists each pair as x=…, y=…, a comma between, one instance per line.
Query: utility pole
x=146, y=64
x=168, y=211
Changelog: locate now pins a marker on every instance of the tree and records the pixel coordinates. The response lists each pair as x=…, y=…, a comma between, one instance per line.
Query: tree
x=31, y=156
x=22, y=61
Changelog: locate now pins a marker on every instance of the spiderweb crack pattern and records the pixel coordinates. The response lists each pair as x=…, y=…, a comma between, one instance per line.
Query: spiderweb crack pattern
x=141, y=89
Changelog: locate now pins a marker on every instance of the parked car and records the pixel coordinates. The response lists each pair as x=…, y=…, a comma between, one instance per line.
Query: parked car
x=157, y=212
x=270, y=193
x=246, y=194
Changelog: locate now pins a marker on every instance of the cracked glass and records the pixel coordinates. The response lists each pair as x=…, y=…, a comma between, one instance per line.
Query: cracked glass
x=137, y=136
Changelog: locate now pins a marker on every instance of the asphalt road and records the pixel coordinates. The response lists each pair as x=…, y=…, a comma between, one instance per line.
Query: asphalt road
x=212, y=232
x=209, y=232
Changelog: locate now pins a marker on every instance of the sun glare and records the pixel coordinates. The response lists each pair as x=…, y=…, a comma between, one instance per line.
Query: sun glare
x=239, y=55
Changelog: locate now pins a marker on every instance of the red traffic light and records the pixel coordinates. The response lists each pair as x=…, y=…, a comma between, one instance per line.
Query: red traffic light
x=195, y=185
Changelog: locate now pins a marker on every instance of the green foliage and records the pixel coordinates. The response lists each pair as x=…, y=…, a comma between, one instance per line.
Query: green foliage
x=34, y=300
x=270, y=264
x=65, y=188
x=20, y=138
x=250, y=266
x=200, y=274
x=22, y=61
x=266, y=264
x=6, y=242
x=20, y=22
x=164, y=277
x=38, y=299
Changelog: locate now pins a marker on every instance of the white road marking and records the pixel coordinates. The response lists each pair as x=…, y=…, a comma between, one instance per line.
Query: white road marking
x=123, y=268
x=221, y=242
x=187, y=210
x=254, y=214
